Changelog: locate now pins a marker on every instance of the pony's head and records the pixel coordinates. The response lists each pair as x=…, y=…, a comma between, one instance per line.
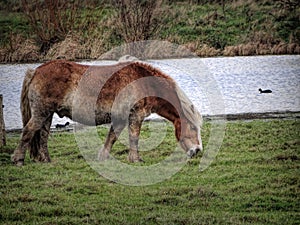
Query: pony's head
x=188, y=126
x=188, y=135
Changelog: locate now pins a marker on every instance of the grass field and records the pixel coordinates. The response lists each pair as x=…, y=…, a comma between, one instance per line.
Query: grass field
x=254, y=180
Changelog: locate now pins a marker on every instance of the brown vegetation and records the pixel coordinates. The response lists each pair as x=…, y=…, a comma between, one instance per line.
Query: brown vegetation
x=261, y=49
x=138, y=20
x=72, y=48
x=76, y=30
x=50, y=20
x=20, y=50
x=203, y=50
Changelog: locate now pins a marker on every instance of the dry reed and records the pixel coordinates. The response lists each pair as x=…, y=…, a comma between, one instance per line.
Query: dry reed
x=262, y=49
x=203, y=50
x=20, y=50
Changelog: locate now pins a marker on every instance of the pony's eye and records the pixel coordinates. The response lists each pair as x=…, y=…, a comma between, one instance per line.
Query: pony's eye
x=193, y=127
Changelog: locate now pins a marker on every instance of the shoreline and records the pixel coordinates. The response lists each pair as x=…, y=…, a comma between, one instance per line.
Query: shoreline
x=167, y=58
x=209, y=118
x=254, y=116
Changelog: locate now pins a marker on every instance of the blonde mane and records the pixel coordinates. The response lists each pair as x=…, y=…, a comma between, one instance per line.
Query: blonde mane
x=189, y=110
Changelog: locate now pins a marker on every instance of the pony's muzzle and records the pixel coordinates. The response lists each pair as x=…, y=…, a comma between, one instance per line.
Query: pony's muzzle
x=193, y=151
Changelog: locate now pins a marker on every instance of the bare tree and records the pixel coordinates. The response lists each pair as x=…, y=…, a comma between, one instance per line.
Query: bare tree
x=50, y=20
x=138, y=19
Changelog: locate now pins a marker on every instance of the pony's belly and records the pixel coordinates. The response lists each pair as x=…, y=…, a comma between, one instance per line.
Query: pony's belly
x=102, y=118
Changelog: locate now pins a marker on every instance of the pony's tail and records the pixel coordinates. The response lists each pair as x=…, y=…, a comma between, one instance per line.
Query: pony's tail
x=24, y=104
x=34, y=144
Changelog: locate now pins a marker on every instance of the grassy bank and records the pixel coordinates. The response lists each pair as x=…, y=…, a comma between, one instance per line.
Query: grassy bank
x=86, y=30
x=254, y=180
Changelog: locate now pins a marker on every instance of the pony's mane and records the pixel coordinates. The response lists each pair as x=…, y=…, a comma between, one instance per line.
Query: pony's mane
x=155, y=72
x=190, y=112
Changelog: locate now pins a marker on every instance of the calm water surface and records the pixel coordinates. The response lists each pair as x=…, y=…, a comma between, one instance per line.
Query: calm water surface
x=215, y=85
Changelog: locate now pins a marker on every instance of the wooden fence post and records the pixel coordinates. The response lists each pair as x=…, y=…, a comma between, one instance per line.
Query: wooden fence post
x=2, y=125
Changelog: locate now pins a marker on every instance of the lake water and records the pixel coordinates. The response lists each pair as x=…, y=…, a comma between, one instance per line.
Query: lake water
x=215, y=85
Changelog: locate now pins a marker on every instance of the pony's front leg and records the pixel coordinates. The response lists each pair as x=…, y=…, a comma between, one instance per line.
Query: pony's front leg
x=134, y=133
x=111, y=138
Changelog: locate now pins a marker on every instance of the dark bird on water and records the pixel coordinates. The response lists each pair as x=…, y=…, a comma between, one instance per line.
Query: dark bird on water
x=62, y=125
x=265, y=91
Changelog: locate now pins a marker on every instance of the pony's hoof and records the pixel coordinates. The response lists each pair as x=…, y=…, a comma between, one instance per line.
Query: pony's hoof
x=19, y=163
x=103, y=155
x=42, y=159
x=140, y=160
x=136, y=160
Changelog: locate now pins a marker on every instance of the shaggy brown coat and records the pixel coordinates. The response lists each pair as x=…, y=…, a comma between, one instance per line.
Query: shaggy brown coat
x=121, y=94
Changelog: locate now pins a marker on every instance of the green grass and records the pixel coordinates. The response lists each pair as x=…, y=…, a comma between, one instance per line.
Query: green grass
x=12, y=23
x=239, y=23
x=254, y=180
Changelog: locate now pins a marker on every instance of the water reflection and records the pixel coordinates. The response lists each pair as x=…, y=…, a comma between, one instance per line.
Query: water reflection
x=238, y=79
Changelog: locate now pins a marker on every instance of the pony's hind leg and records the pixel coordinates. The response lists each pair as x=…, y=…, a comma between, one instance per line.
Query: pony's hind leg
x=39, y=144
x=28, y=133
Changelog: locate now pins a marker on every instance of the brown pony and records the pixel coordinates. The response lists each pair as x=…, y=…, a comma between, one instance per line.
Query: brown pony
x=121, y=94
